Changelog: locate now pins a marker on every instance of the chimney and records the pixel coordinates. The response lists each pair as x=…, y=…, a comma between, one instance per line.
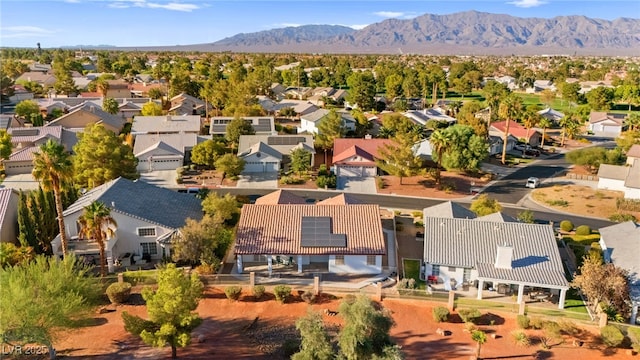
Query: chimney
x=504, y=257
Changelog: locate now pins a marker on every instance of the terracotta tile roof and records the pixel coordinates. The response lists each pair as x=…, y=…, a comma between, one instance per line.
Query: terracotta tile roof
x=352, y=151
x=24, y=154
x=280, y=197
x=515, y=129
x=276, y=230
x=342, y=199
x=369, y=145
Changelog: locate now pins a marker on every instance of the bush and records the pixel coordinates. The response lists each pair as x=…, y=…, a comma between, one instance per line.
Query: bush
x=634, y=336
x=308, y=297
x=233, y=292
x=583, y=230
x=536, y=323
x=205, y=269
x=258, y=291
x=291, y=180
x=380, y=182
x=322, y=170
x=520, y=338
x=350, y=299
x=180, y=171
x=282, y=293
x=419, y=224
x=326, y=181
x=611, y=336
x=622, y=217
x=440, y=314
x=118, y=293
x=566, y=225
x=417, y=214
x=179, y=179
x=407, y=283
x=523, y=321
x=469, y=315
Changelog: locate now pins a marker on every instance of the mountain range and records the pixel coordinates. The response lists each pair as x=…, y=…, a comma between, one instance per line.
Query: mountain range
x=464, y=33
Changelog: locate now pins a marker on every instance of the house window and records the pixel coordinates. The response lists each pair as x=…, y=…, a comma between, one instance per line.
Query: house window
x=150, y=231
x=435, y=270
x=149, y=248
x=466, y=275
x=371, y=259
x=339, y=259
x=452, y=269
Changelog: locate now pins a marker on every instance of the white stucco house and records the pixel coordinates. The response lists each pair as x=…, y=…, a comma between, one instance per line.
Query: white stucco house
x=309, y=122
x=164, y=151
x=261, y=158
x=421, y=117
x=335, y=235
x=147, y=217
x=267, y=153
x=169, y=124
x=621, y=178
x=606, y=124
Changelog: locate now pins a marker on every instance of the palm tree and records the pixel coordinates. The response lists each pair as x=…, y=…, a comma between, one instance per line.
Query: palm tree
x=96, y=223
x=544, y=124
x=439, y=141
x=52, y=167
x=569, y=123
x=530, y=119
x=103, y=87
x=479, y=337
x=510, y=108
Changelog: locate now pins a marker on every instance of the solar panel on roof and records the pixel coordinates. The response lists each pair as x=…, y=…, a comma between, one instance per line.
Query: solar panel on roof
x=25, y=132
x=316, y=232
x=285, y=140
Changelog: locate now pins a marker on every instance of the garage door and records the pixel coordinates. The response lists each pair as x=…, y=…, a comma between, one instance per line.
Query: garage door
x=611, y=129
x=253, y=167
x=166, y=164
x=272, y=167
x=351, y=171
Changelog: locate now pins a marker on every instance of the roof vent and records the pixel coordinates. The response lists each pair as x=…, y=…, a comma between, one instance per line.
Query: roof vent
x=504, y=257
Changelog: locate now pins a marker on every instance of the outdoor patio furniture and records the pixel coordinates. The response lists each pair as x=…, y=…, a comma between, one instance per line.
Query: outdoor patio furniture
x=432, y=279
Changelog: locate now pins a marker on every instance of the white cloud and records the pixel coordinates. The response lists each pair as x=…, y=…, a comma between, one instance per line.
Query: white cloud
x=389, y=14
x=288, y=25
x=174, y=6
x=358, y=27
x=527, y=3
x=25, y=31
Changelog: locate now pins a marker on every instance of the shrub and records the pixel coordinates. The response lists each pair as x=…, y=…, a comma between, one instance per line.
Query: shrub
x=440, y=314
x=180, y=171
x=520, y=338
x=469, y=315
x=417, y=214
x=308, y=297
x=419, y=224
x=634, y=336
x=583, y=230
x=523, y=321
x=118, y=293
x=179, y=179
x=326, y=181
x=322, y=170
x=205, y=269
x=380, y=182
x=258, y=291
x=291, y=180
x=282, y=293
x=611, y=336
x=566, y=225
x=622, y=217
x=233, y=292
x=563, y=203
x=470, y=327
x=407, y=283
x=536, y=323
x=568, y=327
x=350, y=299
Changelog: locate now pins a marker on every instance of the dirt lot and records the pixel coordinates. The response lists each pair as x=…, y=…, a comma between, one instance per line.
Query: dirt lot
x=206, y=178
x=227, y=333
x=453, y=185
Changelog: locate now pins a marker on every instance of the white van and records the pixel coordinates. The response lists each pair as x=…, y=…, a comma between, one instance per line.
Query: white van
x=532, y=182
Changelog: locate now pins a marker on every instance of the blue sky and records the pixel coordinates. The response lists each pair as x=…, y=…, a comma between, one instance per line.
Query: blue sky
x=55, y=23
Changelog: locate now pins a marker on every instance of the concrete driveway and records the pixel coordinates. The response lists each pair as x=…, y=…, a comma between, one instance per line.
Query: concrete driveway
x=363, y=185
x=20, y=182
x=267, y=180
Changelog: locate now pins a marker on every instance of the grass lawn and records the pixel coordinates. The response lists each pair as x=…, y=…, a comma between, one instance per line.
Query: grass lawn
x=574, y=303
x=412, y=271
x=582, y=239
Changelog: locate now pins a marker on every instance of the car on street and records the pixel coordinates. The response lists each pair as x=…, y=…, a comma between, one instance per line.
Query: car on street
x=532, y=182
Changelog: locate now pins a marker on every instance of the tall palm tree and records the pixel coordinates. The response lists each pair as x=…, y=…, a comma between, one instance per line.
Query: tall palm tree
x=52, y=167
x=510, y=108
x=530, y=119
x=96, y=223
x=544, y=124
x=439, y=141
x=569, y=123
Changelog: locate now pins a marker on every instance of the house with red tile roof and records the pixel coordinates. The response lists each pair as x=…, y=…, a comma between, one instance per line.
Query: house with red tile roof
x=337, y=235
x=357, y=157
x=531, y=136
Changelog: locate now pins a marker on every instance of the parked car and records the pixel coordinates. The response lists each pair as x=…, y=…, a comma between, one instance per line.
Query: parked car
x=532, y=152
x=532, y=182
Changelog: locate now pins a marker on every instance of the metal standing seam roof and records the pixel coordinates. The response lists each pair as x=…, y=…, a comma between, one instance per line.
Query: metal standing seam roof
x=276, y=230
x=169, y=123
x=449, y=210
x=497, y=217
x=144, y=201
x=5, y=198
x=469, y=243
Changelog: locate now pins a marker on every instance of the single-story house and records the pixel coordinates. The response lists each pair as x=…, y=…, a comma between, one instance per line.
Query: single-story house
x=553, y=115
x=328, y=237
x=260, y=158
x=421, y=117
x=43, y=78
x=164, y=151
x=357, y=157
x=621, y=178
x=531, y=136
x=169, y=124
x=309, y=122
x=633, y=154
x=606, y=123
x=147, y=217
x=261, y=124
x=620, y=245
x=541, y=85
x=20, y=94
x=26, y=142
x=496, y=142
x=8, y=215
x=300, y=107
x=89, y=113
x=185, y=104
x=283, y=144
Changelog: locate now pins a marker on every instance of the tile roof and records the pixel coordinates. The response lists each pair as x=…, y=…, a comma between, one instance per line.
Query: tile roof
x=622, y=243
x=449, y=210
x=634, y=151
x=166, y=124
x=515, y=129
x=144, y=201
x=178, y=142
x=263, y=149
x=33, y=134
x=342, y=199
x=469, y=243
x=276, y=230
x=288, y=142
x=25, y=154
x=350, y=152
x=280, y=197
x=371, y=146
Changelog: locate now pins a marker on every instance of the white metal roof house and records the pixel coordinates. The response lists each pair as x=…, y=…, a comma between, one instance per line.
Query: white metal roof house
x=551, y=114
x=620, y=245
x=147, y=217
x=421, y=117
x=621, y=178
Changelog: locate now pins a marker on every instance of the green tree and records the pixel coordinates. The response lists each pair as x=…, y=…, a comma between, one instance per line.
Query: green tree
x=633, y=120
x=628, y=93
x=300, y=160
x=155, y=93
x=26, y=108
x=526, y=217
x=97, y=224
x=201, y=242
x=547, y=96
x=110, y=105
x=221, y=208
x=331, y=127
x=42, y=298
x=12, y=255
x=439, y=142
x=315, y=342
x=207, y=152
x=627, y=139
x=52, y=167
x=151, y=109
x=100, y=156
x=102, y=85
x=494, y=92
x=393, y=85
x=465, y=150
x=484, y=205
x=544, y=124
x=480, y=338
x=171, y=310
x=570, y=92
x=362, y=89
x=230, y=165
x=593, y=157
x=530, y=119
x=600, y=98
x=26, y=225
x=5, y=144
x=510, y=109
x=398, y=158
x=237, y=127
x=569, y=123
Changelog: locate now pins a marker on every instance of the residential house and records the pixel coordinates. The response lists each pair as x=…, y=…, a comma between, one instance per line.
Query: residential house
x=421, y=117
x=621, y=178
x=141, y=89
x=118, y=89
x=280, y=197
x=620, y=245
x=530, y=136
x=9, y=120
x=20, y=94
x=8, y=215
x=282, y=144
x=300, y=107
x=331, y=236
x=553, y=115
x=541, y=85
x=262, y=125
x=164, y=151
x=300, y=93
x=586, y=86
x=633, y=154
x=357, y=157
x=496, y=142
x=606, y=124
x=147, y=218
x=25, y=142
x=309, y=122
x=185, y=104
x=277, y=90
x=423, y=150
x=511, y=256
x=168, y=124
x=42, y=78
x=89, y=114
x=319, y=94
